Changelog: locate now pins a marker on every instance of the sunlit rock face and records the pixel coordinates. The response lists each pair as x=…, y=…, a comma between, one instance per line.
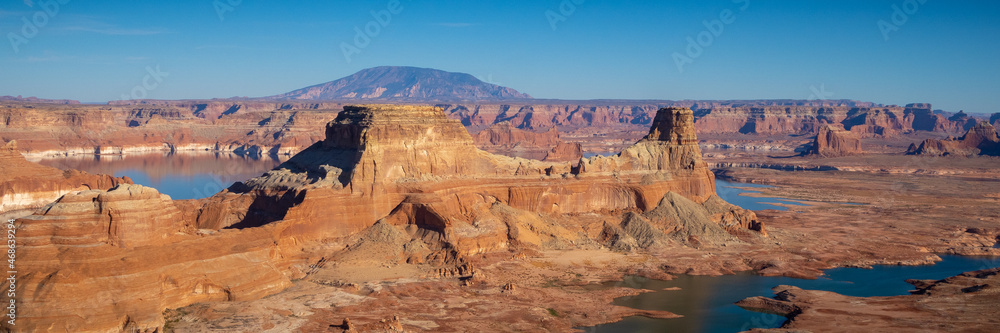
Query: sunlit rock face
x=832, y=141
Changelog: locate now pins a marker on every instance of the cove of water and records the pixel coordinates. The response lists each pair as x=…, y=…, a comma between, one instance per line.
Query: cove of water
x=728, y=191
x=181, y=176
x=706, y=302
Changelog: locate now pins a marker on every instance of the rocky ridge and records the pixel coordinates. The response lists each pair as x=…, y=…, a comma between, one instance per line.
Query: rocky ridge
x=981, y=139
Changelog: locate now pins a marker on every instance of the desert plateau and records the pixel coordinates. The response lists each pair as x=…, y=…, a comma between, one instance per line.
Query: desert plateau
x=655, y=170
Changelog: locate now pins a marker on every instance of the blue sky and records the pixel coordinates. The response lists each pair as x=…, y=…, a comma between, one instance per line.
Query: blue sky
x=946, y=52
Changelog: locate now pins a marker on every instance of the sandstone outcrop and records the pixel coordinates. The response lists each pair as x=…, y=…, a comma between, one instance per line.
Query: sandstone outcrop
x=389, y=184
x=109, y=261
x=836, y=142
x=26, y=185
x=505, y=139
x=416, y=167
x=981, y=139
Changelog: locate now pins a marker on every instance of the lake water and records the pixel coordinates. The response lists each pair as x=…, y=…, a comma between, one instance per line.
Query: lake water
x=705, y=302
x=728, y=191
x=181, y=176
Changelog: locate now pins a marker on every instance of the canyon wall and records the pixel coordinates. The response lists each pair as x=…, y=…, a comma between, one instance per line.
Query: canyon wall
x=284, y=128
x=505, y=139
x=26, y=185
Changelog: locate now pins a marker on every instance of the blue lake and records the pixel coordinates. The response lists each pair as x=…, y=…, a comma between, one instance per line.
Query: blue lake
x=707, y=302
x=728, y=191
x=181, y=176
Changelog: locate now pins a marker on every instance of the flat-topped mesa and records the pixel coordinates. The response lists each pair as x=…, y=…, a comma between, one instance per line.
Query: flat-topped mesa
x=396, y=142
x=394, y=126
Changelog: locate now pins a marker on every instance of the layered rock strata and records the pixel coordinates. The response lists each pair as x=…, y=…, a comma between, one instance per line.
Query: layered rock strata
x=836, y=142
x=388, y=182
x=285, y=128
x=111, y=261
x=981, y=139
x=505, y=139
x=26, y=185
x=420, y=168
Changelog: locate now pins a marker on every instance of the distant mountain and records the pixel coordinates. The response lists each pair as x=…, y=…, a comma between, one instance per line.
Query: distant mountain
x=37, y=100
x=397, y=83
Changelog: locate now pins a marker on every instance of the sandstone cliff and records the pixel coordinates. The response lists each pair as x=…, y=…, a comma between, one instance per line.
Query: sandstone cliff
x=416, y=164
x=26, y=185
x=981, y=139
x=835, y=142
x=110, y=261
x=505, y=139
x=285, y=128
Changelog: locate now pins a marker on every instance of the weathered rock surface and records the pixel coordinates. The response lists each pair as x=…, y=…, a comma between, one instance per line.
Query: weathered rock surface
x=26, y=185
x=505, y=139
x=256, y=127
x=982, y=139
x=867, y=121
x=836, y=142
x=109, y=261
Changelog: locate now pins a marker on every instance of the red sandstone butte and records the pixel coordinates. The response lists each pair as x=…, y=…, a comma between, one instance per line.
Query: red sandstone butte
x=832, y=141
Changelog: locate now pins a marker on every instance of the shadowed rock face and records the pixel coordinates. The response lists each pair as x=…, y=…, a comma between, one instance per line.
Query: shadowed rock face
x=835, y=142
x=406, y=179
x=981, y=139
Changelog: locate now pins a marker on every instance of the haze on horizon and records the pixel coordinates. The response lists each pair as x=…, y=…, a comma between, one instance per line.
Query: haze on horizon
x=891, y=52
